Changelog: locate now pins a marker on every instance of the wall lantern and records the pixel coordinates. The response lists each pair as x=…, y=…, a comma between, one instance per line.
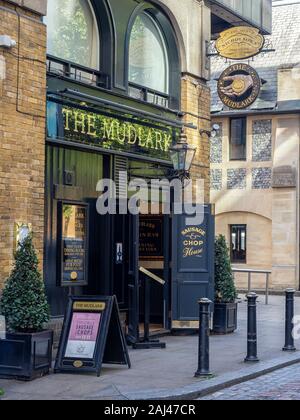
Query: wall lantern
x=182, y=156
x=22, y=231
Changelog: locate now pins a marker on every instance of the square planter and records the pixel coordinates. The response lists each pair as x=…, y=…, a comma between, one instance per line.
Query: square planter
x=225, y=318
x=26, y=356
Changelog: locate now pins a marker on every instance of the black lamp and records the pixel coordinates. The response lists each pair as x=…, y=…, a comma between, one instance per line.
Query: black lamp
x=182, y=156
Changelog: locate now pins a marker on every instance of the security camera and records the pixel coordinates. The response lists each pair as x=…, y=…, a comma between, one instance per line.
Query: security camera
x=7, y=42
x=215, y=129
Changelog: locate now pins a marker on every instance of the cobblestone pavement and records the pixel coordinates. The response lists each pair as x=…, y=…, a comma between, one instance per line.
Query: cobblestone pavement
x=281, y=385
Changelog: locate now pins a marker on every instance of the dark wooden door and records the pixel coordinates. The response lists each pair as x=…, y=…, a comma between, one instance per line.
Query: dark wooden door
x=192, y=265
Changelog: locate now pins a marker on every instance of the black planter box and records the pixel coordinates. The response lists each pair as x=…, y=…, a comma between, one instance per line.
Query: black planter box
x=225, y=318
x=26, y=356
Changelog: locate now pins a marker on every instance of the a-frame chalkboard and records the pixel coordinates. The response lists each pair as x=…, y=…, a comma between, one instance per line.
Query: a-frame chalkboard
x=92, y=336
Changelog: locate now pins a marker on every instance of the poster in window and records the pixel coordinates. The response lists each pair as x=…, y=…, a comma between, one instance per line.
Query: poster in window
x=83, y=335
x=74, y=245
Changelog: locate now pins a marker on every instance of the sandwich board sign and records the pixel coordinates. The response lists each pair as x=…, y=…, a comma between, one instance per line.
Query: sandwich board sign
x=92, y=335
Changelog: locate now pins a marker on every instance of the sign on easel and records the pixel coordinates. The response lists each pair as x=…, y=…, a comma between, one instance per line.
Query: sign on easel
x=92, y=336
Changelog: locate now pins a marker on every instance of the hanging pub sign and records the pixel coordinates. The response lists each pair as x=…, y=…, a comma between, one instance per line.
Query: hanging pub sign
x=151, y=237
x=92, y=335
x=240, y=43
x=239, y=86
x=73, y=254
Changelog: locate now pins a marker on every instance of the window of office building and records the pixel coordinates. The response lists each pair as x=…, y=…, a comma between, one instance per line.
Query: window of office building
x=238, y=235
x=238, y=139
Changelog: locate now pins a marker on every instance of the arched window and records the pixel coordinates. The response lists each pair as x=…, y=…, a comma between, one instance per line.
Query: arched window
x=148, y=57
x=73, y=33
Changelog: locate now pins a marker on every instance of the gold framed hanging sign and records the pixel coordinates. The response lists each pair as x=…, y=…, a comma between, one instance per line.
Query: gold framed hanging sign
x=239, y=86
x=240, y=43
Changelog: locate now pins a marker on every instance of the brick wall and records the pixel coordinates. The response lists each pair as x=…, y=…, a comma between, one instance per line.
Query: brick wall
x=196, y=105
x=22, y=128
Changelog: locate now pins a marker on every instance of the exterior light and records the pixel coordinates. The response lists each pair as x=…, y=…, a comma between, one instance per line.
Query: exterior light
x=182, y=156
x=7, y=42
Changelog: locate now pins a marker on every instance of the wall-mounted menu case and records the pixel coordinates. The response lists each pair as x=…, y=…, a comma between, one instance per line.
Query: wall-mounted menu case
x=73, y=237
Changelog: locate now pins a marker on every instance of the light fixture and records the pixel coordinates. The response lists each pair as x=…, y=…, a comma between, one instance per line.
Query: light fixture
x=182, y=156
x=211, y=133
x=7, y=42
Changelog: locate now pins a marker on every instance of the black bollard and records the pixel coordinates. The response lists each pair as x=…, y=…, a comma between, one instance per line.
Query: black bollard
x=204, y=332
x=289, y=317
x=252, y=329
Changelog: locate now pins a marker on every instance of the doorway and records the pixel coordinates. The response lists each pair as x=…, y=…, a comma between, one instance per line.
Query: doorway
x=142, y=254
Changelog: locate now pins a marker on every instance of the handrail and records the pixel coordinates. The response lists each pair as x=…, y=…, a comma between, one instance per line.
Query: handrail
x=152, y=276
x=251, y=271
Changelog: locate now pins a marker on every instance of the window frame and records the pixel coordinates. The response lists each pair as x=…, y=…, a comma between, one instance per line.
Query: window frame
x=105, y=54
x=239, y=228
x=238, y=159
x=173, y=98
x=166, y=57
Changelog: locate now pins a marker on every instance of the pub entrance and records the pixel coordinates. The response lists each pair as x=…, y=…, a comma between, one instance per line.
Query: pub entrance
x=90, y=254
x=142, y=254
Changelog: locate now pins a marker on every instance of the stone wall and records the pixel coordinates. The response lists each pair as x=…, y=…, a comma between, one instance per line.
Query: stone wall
x=262, y=141
x=247, y=196
x=22, y=127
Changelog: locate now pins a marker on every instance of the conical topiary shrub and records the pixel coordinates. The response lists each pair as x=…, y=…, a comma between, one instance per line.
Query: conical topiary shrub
x=23, y=301
x=224, y=281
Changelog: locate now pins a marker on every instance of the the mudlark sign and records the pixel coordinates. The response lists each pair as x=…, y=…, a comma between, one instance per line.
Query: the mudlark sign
x=239, y=86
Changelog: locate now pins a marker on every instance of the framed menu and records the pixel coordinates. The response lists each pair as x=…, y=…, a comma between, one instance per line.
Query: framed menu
x=73, y=237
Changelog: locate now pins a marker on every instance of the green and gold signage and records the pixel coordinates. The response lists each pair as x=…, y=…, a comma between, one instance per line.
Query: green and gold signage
x=124, y=133
x=192, y=242
x=239, y=43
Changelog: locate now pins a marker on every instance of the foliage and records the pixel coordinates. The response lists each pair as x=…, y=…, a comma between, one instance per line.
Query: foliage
x=72, y=34
x=23, y=301
x=224, y=280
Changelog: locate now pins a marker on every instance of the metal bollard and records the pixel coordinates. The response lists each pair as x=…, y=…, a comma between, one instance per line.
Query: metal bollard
x=204, y=333
x=252, y=329
x=289, y=317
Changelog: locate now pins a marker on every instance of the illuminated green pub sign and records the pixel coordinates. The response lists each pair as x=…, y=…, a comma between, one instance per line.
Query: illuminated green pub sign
x=110, y=132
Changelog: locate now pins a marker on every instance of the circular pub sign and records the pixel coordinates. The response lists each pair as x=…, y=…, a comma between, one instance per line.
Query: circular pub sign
x=239, y=86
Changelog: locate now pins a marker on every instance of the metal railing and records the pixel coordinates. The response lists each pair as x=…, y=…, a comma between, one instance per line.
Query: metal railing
x=149, y=95
x=62, y=68
x=250, y=271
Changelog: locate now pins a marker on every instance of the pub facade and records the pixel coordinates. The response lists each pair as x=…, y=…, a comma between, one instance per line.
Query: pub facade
x=111, y=83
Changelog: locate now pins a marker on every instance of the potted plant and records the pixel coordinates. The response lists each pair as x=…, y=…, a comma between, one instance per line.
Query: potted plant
x=26, y=352
x=225, y=311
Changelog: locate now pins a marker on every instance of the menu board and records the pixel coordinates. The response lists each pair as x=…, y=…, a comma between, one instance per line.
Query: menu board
x=74, y=245
x=92, y=335
x=151, y=237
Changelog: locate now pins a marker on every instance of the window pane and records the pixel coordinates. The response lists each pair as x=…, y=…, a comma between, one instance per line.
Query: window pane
x=239, y=244
x=72, y=32
x=148, y=62
x=238, y=150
